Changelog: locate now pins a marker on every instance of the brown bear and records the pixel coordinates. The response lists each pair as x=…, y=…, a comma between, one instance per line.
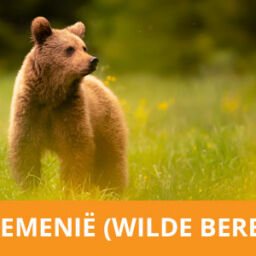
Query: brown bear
x=58, y=106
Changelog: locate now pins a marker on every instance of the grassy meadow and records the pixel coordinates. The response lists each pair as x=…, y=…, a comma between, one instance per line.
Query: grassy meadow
x=190, y=139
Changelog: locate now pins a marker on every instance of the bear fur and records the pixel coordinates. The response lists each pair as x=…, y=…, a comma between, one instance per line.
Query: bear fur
x=58, y=106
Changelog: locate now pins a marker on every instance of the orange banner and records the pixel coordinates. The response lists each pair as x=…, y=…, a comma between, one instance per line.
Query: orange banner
x=127, y=228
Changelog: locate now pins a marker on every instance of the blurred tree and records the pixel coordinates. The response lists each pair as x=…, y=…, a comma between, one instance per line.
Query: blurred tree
x=153, y=36
x=15, y=19
x=174, y=36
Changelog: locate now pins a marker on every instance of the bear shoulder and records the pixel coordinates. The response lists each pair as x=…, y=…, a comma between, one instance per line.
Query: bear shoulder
x=95, y=85
x=101, y=101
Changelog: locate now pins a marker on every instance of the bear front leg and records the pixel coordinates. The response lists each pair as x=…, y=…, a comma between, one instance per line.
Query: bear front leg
x=77, y=160
x=110, y=161
x=24, y=158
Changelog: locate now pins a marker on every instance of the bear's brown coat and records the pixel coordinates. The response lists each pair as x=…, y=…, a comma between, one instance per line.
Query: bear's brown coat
x=58, y=106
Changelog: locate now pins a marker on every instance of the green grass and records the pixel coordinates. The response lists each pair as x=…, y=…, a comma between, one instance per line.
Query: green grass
x=190, y=139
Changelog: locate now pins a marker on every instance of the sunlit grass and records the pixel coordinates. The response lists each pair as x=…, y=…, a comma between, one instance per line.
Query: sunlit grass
x=190, y=139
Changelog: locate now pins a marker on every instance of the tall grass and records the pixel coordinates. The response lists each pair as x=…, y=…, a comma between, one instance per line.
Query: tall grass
x=190, y=139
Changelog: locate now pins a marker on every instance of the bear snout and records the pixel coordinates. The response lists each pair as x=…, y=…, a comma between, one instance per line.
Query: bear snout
x=89, y=66
x=93, y=63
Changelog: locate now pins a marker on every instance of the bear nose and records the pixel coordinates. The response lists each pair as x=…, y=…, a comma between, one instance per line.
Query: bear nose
x=93, y=62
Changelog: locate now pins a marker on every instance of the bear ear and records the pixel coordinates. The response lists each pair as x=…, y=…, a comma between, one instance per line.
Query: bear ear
x=78, y=29
x=40, y=30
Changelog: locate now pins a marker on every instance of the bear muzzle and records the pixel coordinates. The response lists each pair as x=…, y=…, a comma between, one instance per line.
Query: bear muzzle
x=93, y=63
x=89, y=67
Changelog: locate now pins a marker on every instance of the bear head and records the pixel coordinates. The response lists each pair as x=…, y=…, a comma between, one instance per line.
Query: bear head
x=61, y=52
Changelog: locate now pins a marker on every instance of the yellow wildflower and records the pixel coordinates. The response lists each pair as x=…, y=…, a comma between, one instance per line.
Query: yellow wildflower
x=113, y=78
x=230, y=103
x=142, y=112
x=192, y=131
x=209, y=144
x=125, y=105
x=106, y=83
x=163, y=106
x=164, y=134
x=143, y=101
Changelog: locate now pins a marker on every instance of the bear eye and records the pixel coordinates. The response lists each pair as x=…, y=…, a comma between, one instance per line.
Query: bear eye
x=70, y=50
x=85, y=49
